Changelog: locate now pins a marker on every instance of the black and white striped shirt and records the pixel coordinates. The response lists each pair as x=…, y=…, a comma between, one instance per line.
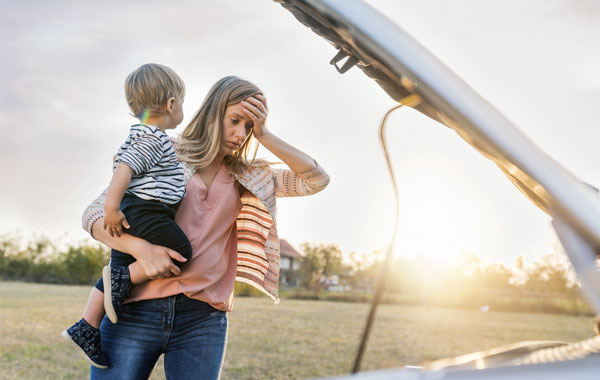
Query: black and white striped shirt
x=157, y=175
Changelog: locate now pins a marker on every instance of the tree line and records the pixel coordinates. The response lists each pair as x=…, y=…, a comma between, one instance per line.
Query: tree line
x=41, y=260
x=547, y=284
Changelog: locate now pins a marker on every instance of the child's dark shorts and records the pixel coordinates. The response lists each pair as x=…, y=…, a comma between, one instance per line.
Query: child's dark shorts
x=154, y=222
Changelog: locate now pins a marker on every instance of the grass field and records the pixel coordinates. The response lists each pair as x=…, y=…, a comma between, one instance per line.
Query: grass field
x=295, y=339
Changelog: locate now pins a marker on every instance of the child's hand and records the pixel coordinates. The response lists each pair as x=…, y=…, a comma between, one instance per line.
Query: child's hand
x=114, y=221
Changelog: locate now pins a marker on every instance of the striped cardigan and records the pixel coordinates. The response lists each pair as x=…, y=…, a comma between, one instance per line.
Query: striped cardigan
x=258, y=243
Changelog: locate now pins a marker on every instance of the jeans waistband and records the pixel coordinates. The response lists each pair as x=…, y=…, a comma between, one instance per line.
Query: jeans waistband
x=181, y=302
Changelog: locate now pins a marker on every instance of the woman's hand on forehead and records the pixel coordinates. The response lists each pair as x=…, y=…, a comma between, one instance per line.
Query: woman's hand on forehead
x=255, y=107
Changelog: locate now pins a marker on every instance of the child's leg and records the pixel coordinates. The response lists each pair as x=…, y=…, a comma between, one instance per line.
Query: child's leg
x=94, y=309
x=85, y=334
x=116, y=286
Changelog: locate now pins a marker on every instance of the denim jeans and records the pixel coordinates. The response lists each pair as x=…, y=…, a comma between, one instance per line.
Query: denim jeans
x=190, y=333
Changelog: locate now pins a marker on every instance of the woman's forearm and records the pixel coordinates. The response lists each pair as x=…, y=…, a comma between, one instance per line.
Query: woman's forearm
x=293, y=157
x=155, y=261
x=255, y=108
x=132, y=245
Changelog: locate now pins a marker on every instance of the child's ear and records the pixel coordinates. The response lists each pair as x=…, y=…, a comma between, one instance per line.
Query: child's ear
x=170, y=104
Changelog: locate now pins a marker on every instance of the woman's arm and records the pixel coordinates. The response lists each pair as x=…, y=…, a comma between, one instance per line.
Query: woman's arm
x=155, y=260
x=306, y=177
x=295, y=159
x=298, y=161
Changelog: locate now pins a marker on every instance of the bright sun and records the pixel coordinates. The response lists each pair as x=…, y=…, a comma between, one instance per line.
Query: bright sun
x=427, y=227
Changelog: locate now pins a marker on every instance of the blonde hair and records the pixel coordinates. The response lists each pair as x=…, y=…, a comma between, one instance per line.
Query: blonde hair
x=200, y=141
x=149, y=87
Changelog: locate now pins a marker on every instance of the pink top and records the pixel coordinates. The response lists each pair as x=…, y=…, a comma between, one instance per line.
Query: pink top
x=207, y=216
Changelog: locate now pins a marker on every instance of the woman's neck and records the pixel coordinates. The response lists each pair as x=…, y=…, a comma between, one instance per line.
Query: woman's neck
x=215, y=163
x=218, y=159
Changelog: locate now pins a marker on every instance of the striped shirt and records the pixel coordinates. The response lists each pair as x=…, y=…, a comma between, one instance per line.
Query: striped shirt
x=157, y=174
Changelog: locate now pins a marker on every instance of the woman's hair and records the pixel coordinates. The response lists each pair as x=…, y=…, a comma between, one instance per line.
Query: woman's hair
x=149, y=87
x=201, y=139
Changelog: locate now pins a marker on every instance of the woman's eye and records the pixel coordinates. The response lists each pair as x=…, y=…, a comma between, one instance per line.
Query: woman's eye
x=249, y=126
x=234, y=121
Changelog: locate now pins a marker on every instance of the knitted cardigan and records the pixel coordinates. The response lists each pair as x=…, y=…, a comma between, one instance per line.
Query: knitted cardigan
x=258, y=243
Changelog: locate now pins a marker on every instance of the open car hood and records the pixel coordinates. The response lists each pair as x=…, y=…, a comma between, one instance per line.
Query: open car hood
x=402, y=67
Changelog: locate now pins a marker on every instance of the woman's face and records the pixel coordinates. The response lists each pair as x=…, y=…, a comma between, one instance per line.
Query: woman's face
x=236, y=126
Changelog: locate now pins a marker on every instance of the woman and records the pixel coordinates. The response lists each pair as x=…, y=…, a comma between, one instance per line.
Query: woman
x=229, y=216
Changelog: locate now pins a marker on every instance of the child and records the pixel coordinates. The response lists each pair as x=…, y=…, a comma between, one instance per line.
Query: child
x=146, y=186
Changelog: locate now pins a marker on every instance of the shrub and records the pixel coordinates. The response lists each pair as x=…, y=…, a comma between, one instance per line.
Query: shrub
x=41, y=261
x=245, y=290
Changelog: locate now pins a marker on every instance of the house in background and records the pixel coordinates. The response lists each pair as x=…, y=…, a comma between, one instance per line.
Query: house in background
x=289, y=265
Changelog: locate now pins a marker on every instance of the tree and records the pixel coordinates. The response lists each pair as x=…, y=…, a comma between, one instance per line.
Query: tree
x=319, y=262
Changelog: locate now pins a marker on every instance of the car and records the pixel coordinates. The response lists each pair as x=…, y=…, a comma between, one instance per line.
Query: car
x=413, y=77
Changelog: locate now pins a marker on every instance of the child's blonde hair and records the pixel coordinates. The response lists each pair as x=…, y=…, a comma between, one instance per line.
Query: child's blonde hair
x=149, y=87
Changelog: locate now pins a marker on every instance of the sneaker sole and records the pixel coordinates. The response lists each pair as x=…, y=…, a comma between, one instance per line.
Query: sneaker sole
x=108, y=307
x=66, y=337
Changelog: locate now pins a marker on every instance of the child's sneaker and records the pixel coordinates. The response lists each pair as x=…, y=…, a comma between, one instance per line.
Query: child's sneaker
x=86, y=339
x=117, y=285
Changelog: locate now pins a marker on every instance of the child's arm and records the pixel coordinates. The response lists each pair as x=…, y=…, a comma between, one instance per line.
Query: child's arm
x=114, y=220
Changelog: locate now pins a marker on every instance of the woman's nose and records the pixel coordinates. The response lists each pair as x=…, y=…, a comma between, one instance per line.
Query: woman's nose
x=240, y=132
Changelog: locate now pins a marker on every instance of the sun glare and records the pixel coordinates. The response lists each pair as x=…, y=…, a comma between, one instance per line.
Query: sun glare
x=427, y=227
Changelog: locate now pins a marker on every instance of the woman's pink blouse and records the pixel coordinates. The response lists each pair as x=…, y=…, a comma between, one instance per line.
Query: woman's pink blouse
x=207, y=216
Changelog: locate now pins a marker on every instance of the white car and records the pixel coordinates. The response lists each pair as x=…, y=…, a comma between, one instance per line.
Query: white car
x=412, y=76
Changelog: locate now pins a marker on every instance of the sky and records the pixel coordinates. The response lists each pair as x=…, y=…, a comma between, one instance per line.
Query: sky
x=63, y=113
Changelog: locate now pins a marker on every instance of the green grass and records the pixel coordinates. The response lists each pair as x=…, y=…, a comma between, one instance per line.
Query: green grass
x=296, y=339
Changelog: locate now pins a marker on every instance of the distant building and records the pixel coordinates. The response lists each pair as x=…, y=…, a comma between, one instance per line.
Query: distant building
x=289, y=265
x=337, y=283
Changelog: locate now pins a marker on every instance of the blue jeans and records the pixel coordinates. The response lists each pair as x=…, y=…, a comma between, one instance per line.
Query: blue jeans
x=191, y=333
